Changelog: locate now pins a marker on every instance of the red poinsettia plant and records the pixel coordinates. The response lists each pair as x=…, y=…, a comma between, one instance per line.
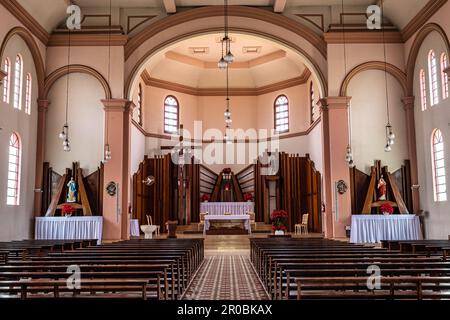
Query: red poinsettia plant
x=67, y=210
x=248, y=196
x=205, y=197
x=386, y=208
x=279, y=220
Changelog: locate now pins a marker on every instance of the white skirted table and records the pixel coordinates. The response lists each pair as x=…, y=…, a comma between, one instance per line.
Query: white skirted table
x=221, y=208
x=374, y=228
x=67, y=228
x=134, y=228
x=216, y=217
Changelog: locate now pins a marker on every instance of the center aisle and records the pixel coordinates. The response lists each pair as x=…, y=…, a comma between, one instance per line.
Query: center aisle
x=226, y=277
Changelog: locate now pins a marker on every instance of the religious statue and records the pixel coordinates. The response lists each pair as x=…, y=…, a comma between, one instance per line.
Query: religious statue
x=381, y=189
x=72, y=191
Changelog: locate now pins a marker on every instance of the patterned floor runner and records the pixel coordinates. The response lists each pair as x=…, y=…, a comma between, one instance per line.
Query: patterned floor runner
x=226, y=278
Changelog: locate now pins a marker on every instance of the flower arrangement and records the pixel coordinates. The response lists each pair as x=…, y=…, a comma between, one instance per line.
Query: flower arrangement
x=248, y=196
x=67, y=210
x=279, y=220
x=205, y=197
x=386, y=208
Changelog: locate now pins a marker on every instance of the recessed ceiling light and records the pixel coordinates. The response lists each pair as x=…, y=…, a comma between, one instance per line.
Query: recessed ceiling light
x=251, y=49
x=199, y=50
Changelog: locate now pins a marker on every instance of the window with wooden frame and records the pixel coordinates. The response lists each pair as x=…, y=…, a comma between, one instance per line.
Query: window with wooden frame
x=171, y=114
x=6, y=80
x=13, y=186
x=281, y=114
x=139, y=105
x=438, y=165
x=312, y=103
x=444, y=66
x=28, y=95
x=432, y=70
x=423, y=90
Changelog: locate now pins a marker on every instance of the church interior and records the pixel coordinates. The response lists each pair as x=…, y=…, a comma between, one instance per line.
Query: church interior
x=224, y=149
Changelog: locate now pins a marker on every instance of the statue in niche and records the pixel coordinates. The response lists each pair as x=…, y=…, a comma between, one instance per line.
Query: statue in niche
x=72, y=192
x=381, y=189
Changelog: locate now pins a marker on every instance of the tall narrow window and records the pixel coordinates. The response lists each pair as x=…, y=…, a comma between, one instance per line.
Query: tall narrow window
x=12, y=197
x=18, y=82
x=444, y=65
x=6, y=80
x=139, y=104
x=438, y=163
x=312, y=98
x=281, y=114
x=423, y=90
x=432, y=70
x=171, y=113
x=28, y=95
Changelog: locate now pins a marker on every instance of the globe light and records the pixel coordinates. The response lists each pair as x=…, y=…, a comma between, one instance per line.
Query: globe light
x=229, y=58
x=222, y=64
x=228, y=120
x=387, y=148
x=227, y=114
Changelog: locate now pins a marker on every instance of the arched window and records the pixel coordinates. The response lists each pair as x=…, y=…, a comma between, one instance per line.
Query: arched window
x=438, y=164
x=432, y=70
x=281, y=114
x=28, y=95
x=312, y=98
x=423, y=90
x=139, y=105
x=6, y=80
x=12, y=197
x=18, y=82
x=171, y=113
x=444, y=65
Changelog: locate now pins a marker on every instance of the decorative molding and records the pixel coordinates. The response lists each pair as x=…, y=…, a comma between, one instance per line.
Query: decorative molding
x=279, y=6
x=362, y=36
x=2, y=75
x=408, y=102
x=171, y=86
x=375, y=65
x=145, y=19
x=341, y=102
x=175, y=56
x=307, y=17
x=170, y=6
x=75, y=68
x=34, y=49
x=414, y=51
x=421, y=18
x=217, y=11
x=447, y=71
x=281, y=137
x=87, y=40
x=26, y=19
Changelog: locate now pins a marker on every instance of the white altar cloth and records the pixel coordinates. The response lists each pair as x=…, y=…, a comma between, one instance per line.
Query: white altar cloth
x=220, y=208
x=134, y=228
x=244, y=217
x=67, y=228
x=374, y=228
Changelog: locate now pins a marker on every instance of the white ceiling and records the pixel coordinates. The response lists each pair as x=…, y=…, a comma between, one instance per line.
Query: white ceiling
x=288, y=67
x=51, y=12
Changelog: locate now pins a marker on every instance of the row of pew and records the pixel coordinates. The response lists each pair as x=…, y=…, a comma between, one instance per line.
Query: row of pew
x=322, y=269
x=138, y=269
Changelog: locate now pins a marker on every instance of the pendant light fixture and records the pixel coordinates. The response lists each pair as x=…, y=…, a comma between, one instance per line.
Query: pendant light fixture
x=390, y=136
x=107, y=149
x=64, y=134
x=349, y=151
x=227, y=57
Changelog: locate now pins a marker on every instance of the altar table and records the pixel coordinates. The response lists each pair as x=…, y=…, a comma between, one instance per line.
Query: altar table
x=134, y=228
x=374, y=228
x=220, y=208
x=69, y=228
x=215, y=217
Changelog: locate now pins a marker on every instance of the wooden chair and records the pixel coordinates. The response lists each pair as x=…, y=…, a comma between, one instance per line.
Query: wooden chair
x=150, y=222
x=302, y=226
x=252, y=220
x=201, y=224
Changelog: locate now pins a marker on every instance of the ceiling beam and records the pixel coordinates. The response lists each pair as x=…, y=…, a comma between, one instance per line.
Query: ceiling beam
x=170, y=6
x=279, y=5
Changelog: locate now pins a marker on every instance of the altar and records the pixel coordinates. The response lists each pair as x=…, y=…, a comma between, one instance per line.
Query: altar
x=371, y=228
x=228, y=217
x=222, y=208
x=67, y=228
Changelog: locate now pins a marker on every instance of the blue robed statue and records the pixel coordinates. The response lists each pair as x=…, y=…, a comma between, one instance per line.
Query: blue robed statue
x=72, y=193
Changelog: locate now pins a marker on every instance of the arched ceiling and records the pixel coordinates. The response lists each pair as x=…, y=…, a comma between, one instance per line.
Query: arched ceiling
x=50, y=13
x=193, y=62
